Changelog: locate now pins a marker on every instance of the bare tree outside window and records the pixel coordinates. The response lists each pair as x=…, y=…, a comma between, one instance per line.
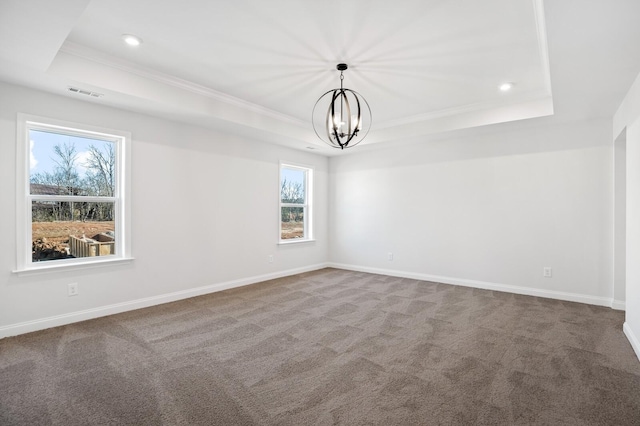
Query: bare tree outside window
x=72, y=168
x=293, y=203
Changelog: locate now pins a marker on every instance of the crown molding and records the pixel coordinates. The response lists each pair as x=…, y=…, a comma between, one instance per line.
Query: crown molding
x=466, y=109
x=92, y=55
x=543, y=50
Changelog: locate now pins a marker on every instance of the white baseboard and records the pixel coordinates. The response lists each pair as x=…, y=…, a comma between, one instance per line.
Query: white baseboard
x=72, y=317
x=633, y=339
x=618, y=305
x=528, y=291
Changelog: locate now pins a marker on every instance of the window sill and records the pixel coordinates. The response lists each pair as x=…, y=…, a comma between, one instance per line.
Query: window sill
x=296, y=241
x=32, y=270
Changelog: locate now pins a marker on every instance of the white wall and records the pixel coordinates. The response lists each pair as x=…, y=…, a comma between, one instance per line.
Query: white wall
x=628, y=117
x=490, y=209
x=620, y=220
x=486, y=209
x=205, y=216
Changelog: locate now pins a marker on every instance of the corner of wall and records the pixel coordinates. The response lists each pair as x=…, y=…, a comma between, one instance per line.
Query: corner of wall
x=633, y=339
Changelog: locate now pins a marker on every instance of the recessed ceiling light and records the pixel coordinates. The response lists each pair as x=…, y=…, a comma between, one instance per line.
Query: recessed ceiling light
x=505, y=87
x=132, y=40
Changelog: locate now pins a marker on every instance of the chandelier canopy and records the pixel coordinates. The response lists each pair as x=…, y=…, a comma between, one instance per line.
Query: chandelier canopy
x=341, y=117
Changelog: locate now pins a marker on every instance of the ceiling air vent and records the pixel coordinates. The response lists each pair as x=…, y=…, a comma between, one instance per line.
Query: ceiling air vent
x=85, y=92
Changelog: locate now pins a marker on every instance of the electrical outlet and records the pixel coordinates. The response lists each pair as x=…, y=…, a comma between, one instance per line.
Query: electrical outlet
x=546, y=272
x=270, y=258
x=389, y=256
x=72, y=289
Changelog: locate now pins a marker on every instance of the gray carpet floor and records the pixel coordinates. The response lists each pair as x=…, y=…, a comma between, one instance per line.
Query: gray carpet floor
x=329, y=347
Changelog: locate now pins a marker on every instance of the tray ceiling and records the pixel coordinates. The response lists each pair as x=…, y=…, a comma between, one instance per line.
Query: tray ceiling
x=256, y=68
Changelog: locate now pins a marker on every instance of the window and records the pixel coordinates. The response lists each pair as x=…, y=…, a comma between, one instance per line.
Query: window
x=73, y=206
x=295, y=203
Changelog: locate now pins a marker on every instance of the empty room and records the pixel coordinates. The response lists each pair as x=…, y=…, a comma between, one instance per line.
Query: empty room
x=319, y=212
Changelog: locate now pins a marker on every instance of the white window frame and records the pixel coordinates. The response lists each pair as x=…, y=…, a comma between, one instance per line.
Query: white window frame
x=307, y=205
x=121, y=199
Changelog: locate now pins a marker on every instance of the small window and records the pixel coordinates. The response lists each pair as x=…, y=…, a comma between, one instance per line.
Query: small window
x=295, y=203
x=73, y=185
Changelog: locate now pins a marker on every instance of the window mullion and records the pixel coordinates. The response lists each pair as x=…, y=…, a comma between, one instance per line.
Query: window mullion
x=71, y=198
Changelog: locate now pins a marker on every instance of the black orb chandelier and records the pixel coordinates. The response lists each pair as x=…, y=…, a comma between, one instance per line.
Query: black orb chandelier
x=341, y=117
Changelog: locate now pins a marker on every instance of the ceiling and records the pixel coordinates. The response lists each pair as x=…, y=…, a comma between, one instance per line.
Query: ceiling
x=257, y=67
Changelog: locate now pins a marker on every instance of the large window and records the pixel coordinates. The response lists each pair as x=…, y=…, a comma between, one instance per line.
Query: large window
x=71, y=182
x=295, y=203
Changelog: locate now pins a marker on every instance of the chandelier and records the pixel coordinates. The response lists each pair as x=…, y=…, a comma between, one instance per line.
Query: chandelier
x=341, y=117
